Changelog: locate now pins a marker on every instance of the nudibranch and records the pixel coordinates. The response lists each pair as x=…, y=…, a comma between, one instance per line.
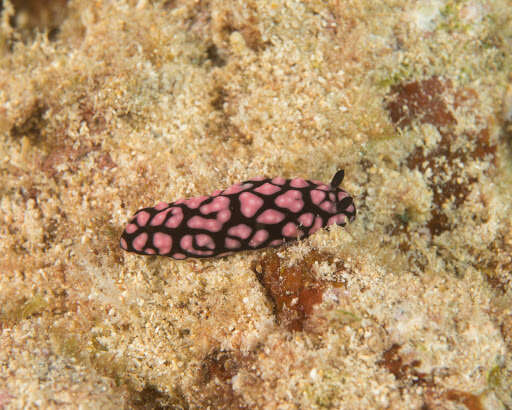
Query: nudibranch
x=253, y=214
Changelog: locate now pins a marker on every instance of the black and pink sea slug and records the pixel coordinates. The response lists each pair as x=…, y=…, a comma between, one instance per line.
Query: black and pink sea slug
x=252, y=214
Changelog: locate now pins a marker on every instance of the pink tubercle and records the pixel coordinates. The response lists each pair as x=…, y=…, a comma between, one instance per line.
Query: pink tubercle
x=193, y=203
x=350, y=208
x=223, y=216
x=290, y=230
x=328, y=206
x=291, y=199
x=258, y=238
x=205, y=240
x=124, y=245
x=149, y=251
x=198, y=222
x=186, y=243
x=270, y=216
x=199, y=252
x=342, y=195
x=298, y=183
x=249, y=204
x=178, y=255
x=232, y=243
x=216, y=192
x=159, y=218
x=332, y=197
x=267, y=189
x=143, y=218
x=306, y=219
x=278, y=181
x=316, y=226
x=175, y=220
x=276, y=242
x=131, y=228
x=213, y=225
x=220, y=255
x=161, y=205
x=323, y=187
x=317, y=196
x=162, y=242
x=339, y=219
x=218, y=203
x=241, y=231
x=139, y=241
x=235, y=189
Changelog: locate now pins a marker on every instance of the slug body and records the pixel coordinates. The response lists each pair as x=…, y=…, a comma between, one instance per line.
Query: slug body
x=252, y=214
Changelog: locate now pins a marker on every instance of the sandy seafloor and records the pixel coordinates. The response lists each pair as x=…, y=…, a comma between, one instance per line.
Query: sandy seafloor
x=110, y=106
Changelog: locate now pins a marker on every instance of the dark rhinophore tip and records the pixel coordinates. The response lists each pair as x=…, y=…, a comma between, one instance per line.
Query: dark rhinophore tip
x=337, y=178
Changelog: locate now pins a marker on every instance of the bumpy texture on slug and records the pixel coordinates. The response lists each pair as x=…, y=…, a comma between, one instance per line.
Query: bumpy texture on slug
x=253, y=214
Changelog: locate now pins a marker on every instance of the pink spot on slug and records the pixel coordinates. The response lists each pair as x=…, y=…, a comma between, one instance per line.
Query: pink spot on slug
x=193, y=203
x=276, y=242
x=159, y=218
x=162, y=242
x=342, y=195
x=298, y=183
x=149, y=251
x=124, y=245
x=270, y=216
x=186, y=243
x=161, y=205
x=198, y=222
x=232, y=243
x=249, y=204
x=259, y=237
x=339, y=219
x=199, y=252
x=241, y=231
x=175, y=220
x=204, y=240
x=267, y=189
x=139, y=241
x=278, y=181
x=291, y=200
x=306, y=219
x=142, y=218
x=219, y=203
x=235, y=189
x=131, y=228
x=290, y=230
x=220, y=255
x=328, y=206
x=317, y=196
x=178, y=256
x=316, y=226
x=223, y=216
